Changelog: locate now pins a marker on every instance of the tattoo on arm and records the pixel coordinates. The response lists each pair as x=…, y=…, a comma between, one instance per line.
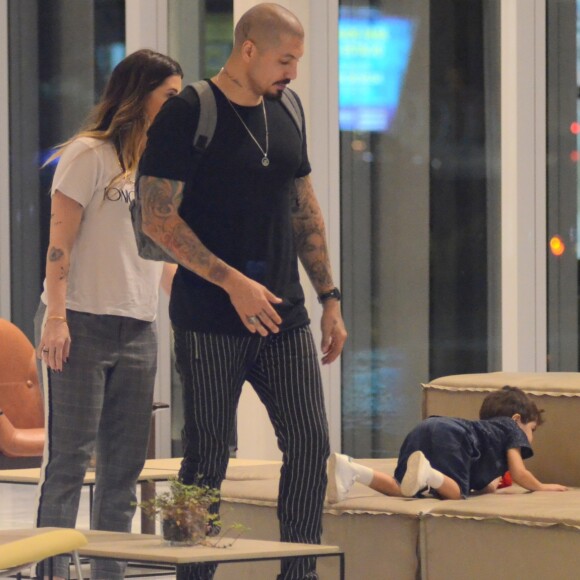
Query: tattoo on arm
x=161, y=199
x=309, y=234
x=55, y=254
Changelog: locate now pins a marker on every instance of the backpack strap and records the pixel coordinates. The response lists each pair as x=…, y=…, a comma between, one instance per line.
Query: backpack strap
x=290, y=102
x=207, y=115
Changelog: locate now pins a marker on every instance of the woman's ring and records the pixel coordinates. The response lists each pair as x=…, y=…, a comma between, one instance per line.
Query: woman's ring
x=253, y=320
x=45, y=350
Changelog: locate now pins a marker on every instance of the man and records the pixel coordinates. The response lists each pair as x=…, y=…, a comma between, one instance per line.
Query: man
x=237, y=222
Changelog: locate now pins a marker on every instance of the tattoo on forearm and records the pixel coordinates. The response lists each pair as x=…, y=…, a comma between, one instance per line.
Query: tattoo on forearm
x=161, y=200
x=53, y=223
x=55, y=254
x=309, y=234
x=218, y=272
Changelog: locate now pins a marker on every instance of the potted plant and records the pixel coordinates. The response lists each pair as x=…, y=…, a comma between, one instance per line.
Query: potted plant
x=184, y=512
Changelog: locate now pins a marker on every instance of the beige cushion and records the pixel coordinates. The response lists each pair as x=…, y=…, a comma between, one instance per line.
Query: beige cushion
x=552, y=384
x=377, y=532
x=258, y=485
x=253, y=472
x=556, y=448
x=523, y=535
x=381, y=535
x=518, y=506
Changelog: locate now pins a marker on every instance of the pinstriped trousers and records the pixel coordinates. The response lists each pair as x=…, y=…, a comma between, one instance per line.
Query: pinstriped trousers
x=284, y=371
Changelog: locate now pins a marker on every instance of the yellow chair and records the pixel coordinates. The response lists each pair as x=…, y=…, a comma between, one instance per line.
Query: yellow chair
x=22, y=553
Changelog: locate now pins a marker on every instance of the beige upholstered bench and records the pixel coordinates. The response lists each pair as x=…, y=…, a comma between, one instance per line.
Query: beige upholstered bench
x=556, y=443
x=511, y=534
x=379, y=534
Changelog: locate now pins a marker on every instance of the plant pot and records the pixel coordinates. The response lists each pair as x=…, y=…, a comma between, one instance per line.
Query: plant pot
x=185, y=529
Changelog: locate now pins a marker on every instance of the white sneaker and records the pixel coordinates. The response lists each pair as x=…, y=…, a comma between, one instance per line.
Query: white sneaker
x=415, y=478
x=341, y=477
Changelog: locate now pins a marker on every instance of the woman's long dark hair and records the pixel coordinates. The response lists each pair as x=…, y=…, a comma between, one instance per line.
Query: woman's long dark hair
x=120, y=116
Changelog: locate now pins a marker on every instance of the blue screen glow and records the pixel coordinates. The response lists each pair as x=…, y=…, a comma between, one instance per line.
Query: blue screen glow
x=374, y=51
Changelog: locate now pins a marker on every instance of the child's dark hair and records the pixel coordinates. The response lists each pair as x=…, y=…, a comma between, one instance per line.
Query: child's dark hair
x=509, y=401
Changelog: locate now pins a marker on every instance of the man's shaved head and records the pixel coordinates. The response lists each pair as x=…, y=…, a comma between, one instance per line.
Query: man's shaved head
x=264, y=24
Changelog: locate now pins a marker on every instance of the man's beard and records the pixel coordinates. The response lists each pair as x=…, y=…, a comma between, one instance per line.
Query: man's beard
x=277, y=95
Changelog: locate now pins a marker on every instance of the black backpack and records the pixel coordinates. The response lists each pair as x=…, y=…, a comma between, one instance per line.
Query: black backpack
x=203, y=97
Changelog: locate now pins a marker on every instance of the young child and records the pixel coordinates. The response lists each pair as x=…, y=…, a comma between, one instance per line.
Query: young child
x=455, y=456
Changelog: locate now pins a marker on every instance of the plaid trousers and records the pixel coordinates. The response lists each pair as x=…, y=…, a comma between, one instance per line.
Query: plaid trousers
x=101, y=401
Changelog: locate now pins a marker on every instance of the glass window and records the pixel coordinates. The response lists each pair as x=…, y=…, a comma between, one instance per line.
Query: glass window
x=61, y=54
x=563, y=91
x=419, y=118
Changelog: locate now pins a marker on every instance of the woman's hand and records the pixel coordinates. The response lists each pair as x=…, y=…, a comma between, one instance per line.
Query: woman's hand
x=54, y=348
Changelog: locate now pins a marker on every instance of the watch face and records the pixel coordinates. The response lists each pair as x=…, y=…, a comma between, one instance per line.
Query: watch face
x=334, y=293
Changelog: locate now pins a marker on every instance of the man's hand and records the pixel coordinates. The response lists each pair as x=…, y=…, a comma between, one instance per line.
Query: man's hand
x=333, y=331
x=253, y=303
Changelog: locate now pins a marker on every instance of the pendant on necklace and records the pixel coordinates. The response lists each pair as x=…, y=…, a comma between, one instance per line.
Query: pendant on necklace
x=265, y=161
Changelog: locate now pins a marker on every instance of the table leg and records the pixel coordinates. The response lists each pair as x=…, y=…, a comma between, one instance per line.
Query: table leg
x=91, y=498
x=147, y=492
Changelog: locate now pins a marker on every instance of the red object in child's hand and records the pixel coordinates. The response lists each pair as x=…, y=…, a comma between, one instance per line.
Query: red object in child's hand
x=506, y=480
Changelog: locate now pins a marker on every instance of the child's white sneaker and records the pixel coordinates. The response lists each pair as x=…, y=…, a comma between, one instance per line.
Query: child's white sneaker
x=341, y=477
x=415, y=478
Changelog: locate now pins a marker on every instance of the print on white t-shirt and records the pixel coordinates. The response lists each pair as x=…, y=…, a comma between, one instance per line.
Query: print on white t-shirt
x=106, y=276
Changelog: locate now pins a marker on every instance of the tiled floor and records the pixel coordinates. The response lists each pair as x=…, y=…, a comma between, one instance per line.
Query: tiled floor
x=17, y=507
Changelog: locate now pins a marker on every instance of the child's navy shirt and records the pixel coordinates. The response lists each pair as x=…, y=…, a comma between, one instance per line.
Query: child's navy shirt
x=473, y=453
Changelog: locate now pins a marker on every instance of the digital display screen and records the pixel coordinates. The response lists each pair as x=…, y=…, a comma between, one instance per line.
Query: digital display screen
x=373, y=51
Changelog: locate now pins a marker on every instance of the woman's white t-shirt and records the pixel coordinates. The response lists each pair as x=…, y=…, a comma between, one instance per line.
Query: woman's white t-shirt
x=106, y=274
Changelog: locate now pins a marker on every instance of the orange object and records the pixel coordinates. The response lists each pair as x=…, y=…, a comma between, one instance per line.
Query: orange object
x=557, y=245
x=22, y=421
x=506, y=480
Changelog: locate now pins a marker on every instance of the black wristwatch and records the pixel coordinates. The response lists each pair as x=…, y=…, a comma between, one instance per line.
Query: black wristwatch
x=334, y=293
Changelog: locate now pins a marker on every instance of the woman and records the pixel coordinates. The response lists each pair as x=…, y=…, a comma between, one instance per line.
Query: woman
x=96, y=318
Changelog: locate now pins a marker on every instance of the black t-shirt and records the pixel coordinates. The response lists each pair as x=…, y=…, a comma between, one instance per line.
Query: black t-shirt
x=239, y=209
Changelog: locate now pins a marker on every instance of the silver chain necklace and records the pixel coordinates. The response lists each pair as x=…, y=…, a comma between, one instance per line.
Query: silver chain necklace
x=265, y=160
